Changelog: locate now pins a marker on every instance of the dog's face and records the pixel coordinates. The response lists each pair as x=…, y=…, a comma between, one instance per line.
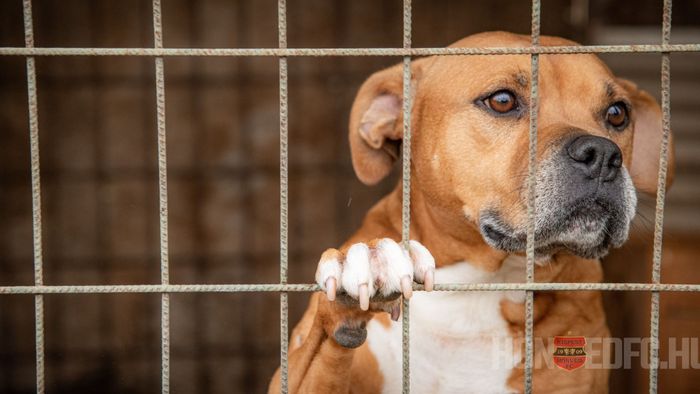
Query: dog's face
x=598, y=137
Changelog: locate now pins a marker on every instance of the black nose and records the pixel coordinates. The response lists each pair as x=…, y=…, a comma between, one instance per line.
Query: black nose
x=597, y=157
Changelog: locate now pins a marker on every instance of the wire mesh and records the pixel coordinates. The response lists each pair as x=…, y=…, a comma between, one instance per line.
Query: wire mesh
x=162, y=198
x=406, y=194
x=660, y=198
x=321, y=52
x=159, y=52
x=531, y=184
x=276, y=287
x=36, y=195
x=284, y=192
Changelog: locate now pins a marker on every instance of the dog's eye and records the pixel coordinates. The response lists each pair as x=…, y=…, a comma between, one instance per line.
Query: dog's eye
x=502, y=101
x=616, y=115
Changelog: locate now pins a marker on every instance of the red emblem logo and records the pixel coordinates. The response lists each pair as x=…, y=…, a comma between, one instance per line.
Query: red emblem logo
x=569, y=352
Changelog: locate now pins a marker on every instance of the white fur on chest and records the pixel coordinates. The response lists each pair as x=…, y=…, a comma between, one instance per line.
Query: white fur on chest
x=460, y=342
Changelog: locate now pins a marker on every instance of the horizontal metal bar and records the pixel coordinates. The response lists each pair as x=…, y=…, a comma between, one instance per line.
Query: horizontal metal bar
x=289, y=52
x=273, y=287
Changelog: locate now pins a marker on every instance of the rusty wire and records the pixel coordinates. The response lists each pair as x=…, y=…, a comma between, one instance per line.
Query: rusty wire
x=162, y=199
x=531, y=191
x=284, y=195
x=660, y=198
x=320, y=52
x=304, y=287
x=32, y=102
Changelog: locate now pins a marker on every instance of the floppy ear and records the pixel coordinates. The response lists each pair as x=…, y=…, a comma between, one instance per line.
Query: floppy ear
x=376, y=124
x=646, y=145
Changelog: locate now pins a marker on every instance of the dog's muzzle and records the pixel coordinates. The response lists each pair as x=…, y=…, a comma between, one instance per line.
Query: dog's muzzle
x=584, y=203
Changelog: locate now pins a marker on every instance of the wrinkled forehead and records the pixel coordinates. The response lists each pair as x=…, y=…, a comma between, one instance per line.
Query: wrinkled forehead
x=579, y=73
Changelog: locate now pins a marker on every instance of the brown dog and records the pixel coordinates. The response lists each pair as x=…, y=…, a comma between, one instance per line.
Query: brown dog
x=598, y=138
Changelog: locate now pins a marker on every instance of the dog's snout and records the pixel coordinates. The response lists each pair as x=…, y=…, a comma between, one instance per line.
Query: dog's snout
x=597, y=157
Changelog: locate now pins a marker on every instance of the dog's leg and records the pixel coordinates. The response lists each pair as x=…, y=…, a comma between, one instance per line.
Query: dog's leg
x=366, y=279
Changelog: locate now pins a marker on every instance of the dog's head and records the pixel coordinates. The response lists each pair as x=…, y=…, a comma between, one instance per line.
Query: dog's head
x=598, y=139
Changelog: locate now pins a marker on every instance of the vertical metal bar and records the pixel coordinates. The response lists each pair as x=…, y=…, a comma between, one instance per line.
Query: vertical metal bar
x=163, y=199
x=531, y=188
x=406, y=190
x=660, y=197
x=284, y=189
x=36, y=196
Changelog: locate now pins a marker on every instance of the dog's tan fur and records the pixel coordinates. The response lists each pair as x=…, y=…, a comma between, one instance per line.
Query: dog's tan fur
x=464, y=160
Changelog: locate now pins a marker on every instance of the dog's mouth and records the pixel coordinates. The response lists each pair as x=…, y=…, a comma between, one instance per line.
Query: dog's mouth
x=587, y=228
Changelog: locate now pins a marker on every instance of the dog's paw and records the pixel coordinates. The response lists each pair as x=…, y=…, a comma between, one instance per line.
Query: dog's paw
x=377, y=272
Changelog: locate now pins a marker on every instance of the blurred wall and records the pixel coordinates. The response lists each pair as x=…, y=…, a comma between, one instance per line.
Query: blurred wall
x=99, y=175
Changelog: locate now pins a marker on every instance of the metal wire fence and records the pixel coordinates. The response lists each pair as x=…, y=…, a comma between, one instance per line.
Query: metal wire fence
x=39, y=289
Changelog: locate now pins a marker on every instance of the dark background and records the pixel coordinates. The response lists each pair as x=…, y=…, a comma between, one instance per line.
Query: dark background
x=99, y=177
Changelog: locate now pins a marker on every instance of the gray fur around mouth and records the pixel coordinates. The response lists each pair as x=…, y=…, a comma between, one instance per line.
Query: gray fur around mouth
x=572, y=213
x=588, y=229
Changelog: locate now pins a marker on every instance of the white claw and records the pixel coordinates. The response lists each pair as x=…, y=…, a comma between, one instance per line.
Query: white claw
x=398, y=266
x=395, y=312
x=330, y=288
x=407, y=286
x=363, y=291
x=328, y=273
x=357, y=271
x=423, y=265
x=429, y=280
